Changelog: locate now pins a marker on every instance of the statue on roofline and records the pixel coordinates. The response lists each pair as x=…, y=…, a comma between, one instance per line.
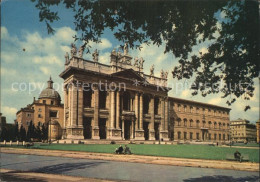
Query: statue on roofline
x=166, y=74
x=136, y=62
x=80, y=52
x=67, y=58
x=125, y=49
x=141, y=63
x=162, y=73
x=152, y=70
x=95, y=55
x=73, y=50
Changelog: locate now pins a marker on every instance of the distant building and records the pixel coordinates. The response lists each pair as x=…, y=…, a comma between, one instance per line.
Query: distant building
x=2, y=122
x=258, y=131
x=242, y=131
x=47, y=110
x=197, y=121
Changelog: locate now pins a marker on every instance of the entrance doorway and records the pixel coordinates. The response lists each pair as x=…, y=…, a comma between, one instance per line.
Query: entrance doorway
x=102, y=128
x=127, y=127
x=156, y=130
x=146, y=131
x=87, y=129
x=204, y=135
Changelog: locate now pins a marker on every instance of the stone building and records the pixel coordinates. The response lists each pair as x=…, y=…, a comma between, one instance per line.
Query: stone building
x=242, y=131
x=196, y=121
x=47, y=110
x=121, y=102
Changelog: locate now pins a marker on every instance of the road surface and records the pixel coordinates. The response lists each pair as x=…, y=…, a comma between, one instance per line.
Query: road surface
x=113, y=170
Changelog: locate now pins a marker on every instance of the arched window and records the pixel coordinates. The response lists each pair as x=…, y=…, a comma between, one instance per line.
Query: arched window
x=215, y=125
x=179, y=121
x=191, y=123
x=209, y=124
x=198, y=123
x=185, y=122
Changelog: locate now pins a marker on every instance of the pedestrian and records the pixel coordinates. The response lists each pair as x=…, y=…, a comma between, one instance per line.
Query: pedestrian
x=127, y=150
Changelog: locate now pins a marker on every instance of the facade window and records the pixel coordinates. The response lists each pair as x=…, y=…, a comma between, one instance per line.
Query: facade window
x=40, y=110
x=179, y=122
x=53, y=114
x=209, y=124
x=204, y=124
x=203, y=110
x=209, y=111
x=214, y=112
x=191, y=135
x=185, y=135
x=209, y=136
x=185, y=122
x=197, y=110
x=197, y=136
x=39, y=123
x=39, y=115
x=179, y=107
x=215, y=125
x=224, y=136
x=191, y=123
x=219, y=125
x=28, y=115
x=44, y=101
x=198, y=123
x=52, y=102
x=185, y=108
x=27, y=123
x=215, y=136
x=191, y=109
x=179, y=135
x=219, y=136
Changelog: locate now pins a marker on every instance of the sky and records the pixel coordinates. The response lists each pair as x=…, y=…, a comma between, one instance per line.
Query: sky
x=29, y=56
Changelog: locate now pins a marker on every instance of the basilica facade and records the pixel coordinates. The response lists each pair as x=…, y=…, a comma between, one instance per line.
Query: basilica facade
x=120, y=102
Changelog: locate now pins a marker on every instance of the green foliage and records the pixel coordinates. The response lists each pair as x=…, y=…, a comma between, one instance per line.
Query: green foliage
x=232, y=55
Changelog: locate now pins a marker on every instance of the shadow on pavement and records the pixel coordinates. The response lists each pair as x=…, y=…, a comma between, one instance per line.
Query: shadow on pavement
x=223, y=179
x=12, y=177
x=65, y=167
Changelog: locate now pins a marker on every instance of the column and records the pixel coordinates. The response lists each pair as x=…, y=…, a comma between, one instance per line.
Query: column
x=151, y=124
x=166, y=120
x=95, y=128
x=123, y=129
x=117, y=109
x=112, y=109
x=141, y=112
x=65, y=106
x=136, y=111
x=80, y=107
x=132, y=129
x=75, y=130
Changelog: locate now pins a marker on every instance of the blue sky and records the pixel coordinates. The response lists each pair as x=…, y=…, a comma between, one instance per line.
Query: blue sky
x=44, y=56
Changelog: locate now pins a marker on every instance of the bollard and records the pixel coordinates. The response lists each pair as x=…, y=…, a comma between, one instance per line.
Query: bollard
x=23, y=143
x=17, y=143
x=10, y=142
x=4, y=142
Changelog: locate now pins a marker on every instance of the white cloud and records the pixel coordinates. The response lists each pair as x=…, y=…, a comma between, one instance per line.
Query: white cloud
x=104, y=58
x=45, y=70
x=8, y=72
x=4, y=33
x=51, y=59
x=105, y=43
x=215, y=101
x=9, y=110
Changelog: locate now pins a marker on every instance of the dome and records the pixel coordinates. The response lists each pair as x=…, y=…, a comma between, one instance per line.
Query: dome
x=49, y=92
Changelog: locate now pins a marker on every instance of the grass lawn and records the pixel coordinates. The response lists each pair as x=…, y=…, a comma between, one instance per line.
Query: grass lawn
x=180, y=151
